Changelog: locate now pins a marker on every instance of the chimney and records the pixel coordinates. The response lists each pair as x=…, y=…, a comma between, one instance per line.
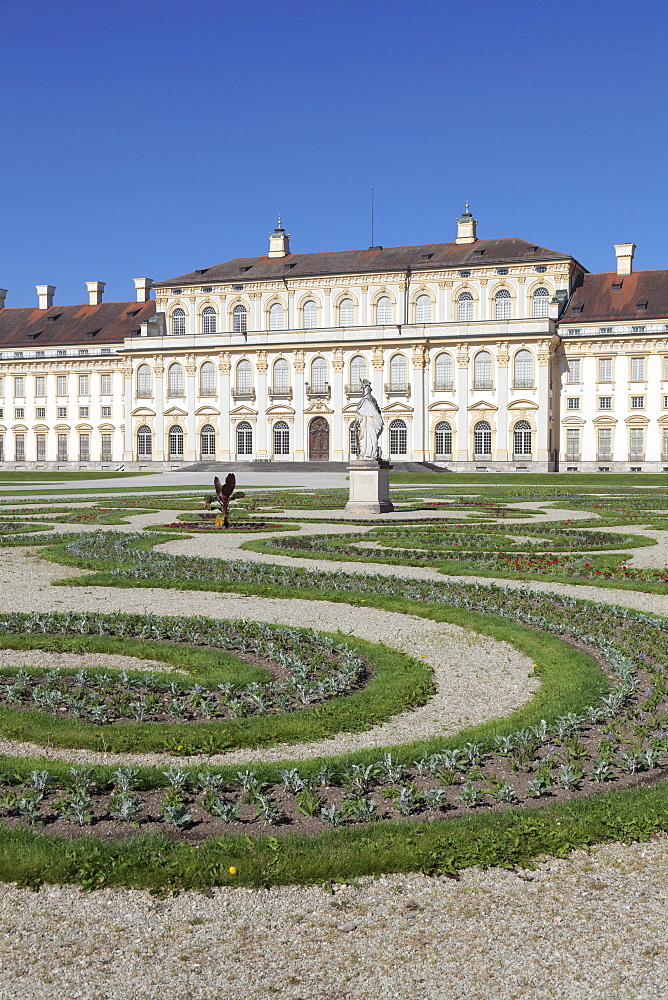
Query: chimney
x=466, y=227
x=3, y=296
x=143, y=288
x=279, y=242
x=45, y=295
x=95, y=292
x=624, y=254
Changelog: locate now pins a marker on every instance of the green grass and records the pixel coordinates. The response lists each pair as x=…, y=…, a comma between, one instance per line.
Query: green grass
x=505, y=839
x=602, y=480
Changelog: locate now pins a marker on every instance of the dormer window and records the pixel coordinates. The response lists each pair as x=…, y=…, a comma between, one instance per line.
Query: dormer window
x=34, y=336
x=578, y=309
x=286, y=267
x=641, y=306
x=478, y=253
x=130, y=312
x=245, y=268
x=616, y=285
x=53, y=318
x=202, y=271
x=92, y=333
x=531, y=249
x=426, y=256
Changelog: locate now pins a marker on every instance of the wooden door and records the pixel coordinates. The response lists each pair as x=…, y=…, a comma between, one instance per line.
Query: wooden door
x=318, y=440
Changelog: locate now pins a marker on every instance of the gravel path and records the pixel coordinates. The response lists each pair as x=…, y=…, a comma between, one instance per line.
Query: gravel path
x=593, y=927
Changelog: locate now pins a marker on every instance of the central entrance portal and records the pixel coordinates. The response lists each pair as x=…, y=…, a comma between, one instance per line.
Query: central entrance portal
x=318, y=440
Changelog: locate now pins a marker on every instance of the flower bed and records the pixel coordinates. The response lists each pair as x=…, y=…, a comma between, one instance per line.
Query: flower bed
x=215, y=526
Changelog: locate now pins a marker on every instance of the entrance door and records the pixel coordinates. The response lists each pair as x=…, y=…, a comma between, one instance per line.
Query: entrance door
x=318, y=440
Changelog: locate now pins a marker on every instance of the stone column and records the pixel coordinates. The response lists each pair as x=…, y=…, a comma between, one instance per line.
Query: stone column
x=159, y=450
x=191, y=449
x=463, y=402
x=542, y=447
x=128, y=451
x=504, y=449
x=338, y=446
x=224, y=401
x=299, y=401
x=420, y=431
x=261, y=406
x=483, y=311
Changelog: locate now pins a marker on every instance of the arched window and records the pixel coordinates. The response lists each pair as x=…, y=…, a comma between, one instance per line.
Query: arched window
x=276, y=316
x=144, y=442
x=281, y=375
x=541, y=303
x=207, y=437
x=209, y=320
x=207, y=379
x=175, y=442
x=443, y=435
x=502, y=303
x=482, y=440
x=353, y=440
x=175, y=380
x=357, y=372
x=346, y=312
x=465, y=308
x=443, y=372
x=482, y=371
x=398, y=372
x=523, y=370
x=144, y=386
x=319, y=374
x=244, y=376
x=244, y=438
x=423, y=309
x=384, y=311
x=281, y=438
x=522, y=439
x=398, y=437
x=239, y=319
x=178, y=323
x=310, y=315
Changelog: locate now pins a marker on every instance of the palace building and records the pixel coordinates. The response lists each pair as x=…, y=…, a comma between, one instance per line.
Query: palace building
x=484, y=354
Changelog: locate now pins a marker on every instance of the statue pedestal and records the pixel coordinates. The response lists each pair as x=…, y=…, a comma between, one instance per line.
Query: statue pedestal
x=369, y=487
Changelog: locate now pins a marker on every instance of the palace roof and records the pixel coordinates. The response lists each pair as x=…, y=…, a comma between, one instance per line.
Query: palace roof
x=58, y=326
x=424, y=256
x=635, y=297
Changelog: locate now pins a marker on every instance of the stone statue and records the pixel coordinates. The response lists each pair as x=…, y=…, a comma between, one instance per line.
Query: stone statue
x=368, y=425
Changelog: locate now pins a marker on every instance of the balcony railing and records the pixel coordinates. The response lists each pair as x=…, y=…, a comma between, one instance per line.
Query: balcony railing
x=240, y=392
x=207, y=391
x=637, y=458
x=523, y=383
x=321, y=391
x=483, y=383
x=607, y=457
x=281, y=390
x=443, y=383
x=144, y=393
x=353, y=390
x=403, y=387
x=522, y=456
x=572, y=456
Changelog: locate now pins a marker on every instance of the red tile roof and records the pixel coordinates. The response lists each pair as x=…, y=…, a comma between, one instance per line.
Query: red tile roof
x=430, y=255
x=61, y=326
x=597, y=299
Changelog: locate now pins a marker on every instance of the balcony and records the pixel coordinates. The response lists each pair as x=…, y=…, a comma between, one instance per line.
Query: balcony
x=353, y=390
x=398, y=388
x=523, y=383
x=320, y=391
x=637, y=458
x=243, y=392
x=144, y=393
x=443, y=383
x=483, y=383
x=284, y=391
x=603, y=457
x=572, y=456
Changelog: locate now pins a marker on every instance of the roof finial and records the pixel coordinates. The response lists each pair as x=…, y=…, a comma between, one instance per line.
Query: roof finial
x=278, y=225
x=466, y=205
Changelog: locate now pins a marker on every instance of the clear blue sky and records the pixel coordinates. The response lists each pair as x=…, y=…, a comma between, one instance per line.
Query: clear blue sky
x=152, y=138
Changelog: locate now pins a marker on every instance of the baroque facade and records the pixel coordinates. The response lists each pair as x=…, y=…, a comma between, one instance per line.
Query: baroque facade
x=483, y=354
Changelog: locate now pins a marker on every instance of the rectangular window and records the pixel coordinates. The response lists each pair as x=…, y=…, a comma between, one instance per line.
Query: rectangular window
x=2, y=386
x=40, y=412
x=665, y=369
x=665, y=402
x=105, y=385
x=106, y=447
x=84, y=447
x=106, y=411
x=20, y=447
x=83, y=411
x=2, y=412
x=83, y=385
x=637, y=369
x=62, y=412
x=637, y=443
x=41, y=447
x=664, y=444
x=2, y=448
x=62, y=447
x=62, y=385
x=605, y=402
x=19, y=413
x=573, y=444
x=19, y=386
x=40, y=385
x=605, y=369
x=604, y=443
x=573, y=369
x=637, y=402
x=573, y=403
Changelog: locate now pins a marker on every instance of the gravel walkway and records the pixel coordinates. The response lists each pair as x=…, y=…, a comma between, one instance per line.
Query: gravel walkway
x=593, y=927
